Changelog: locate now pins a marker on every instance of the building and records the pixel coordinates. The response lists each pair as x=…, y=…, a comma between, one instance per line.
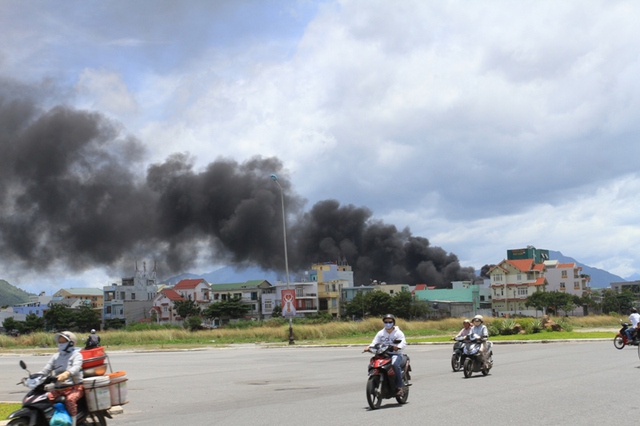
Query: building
x=331, y=277
x=632, y=286
x=162, y=309
x=512, y=281
x=250, y=293
x=91, y=296
x=132, y=299
x=306, y=298
x=464, y=299
x=197, y=290
x=566, y=278
x=36, y=305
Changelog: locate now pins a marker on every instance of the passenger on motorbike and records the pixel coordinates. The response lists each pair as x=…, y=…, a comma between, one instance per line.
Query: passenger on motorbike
x=634, y=318
x=466, y=329
x=387, y=336
x=481, y=330
x=67, y=366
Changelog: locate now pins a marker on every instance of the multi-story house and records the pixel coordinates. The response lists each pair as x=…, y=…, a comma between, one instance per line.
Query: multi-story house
x=566, y=278
x=131, y=300
x=163, y=306
x=91, y=296
x=512, y=282
x=306, y=298
x=197, y=290
x=331, y=277
x=250, y=293
x=36, y=305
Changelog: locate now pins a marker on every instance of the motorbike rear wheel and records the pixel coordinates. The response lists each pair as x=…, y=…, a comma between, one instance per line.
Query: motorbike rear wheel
x=618, y=342
x=95, y=419
x=20, y=421
x=468, y=368
x=455, y=362
x=405, y=390
x=374, y=393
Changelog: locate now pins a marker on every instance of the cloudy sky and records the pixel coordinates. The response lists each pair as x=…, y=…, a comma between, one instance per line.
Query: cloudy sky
x=481, y=126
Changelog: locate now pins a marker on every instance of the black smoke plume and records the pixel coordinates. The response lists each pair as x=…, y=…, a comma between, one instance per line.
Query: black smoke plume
x=74, y=191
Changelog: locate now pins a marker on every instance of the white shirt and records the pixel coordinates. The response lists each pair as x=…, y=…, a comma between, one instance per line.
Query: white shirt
x=387, y=338
x=480, y=330
x=635, y=319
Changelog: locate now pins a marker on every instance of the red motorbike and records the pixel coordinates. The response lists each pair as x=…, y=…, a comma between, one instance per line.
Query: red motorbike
x=382, y=381
x=621, y=340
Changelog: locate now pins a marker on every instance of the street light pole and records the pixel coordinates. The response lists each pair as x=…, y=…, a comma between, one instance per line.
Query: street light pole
x=286, y=259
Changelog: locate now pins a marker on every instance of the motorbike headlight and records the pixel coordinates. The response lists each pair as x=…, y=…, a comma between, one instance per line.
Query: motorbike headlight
x=31, y=383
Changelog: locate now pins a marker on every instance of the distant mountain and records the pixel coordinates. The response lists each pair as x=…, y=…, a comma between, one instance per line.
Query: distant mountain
x=11, y=295
x=634, y=277
x=599, y=277
x=229, y=274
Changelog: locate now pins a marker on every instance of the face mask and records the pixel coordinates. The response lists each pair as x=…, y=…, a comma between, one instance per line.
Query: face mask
x=63, y=346
x=388, y=325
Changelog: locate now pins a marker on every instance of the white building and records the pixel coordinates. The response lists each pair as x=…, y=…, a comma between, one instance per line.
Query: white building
x=131, y=300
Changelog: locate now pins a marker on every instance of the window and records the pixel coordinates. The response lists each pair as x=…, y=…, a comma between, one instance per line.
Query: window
x=519, y=277
x=254, y=295
x=333, y=287
x=237, y=295
x=562, y=286
x=215, y=296
x=564, y=274
x=107, y=310
x=224, y=297
x=522, y=291
x=576, y=285
x=267, y=305
x=497, y=277
x=122, y=295
x=133, y=296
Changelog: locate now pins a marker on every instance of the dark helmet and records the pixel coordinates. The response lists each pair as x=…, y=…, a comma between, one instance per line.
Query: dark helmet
x=634, y=310
x=389, y=316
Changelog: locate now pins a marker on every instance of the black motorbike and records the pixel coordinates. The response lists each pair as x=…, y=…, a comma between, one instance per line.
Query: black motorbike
x=37, y=409
x=621, y=340
x=382, y=381
x=472, y=360
x=456, y=356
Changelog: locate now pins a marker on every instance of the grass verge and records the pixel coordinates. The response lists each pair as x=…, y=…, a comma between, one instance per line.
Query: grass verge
x=7, y=408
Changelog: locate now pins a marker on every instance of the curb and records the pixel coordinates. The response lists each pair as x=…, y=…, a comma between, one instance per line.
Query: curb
x=114, y=411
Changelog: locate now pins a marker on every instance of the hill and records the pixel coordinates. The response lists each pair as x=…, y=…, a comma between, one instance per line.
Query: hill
x=599, y=277
x=12, y=295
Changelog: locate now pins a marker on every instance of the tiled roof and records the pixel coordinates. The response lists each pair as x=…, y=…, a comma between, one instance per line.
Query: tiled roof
x=522, y=264
x=84, y=291
x=171, y=295
x=566, y=265
x=188, y=284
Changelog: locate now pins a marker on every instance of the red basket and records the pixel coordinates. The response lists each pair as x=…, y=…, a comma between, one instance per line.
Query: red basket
x=93, y=357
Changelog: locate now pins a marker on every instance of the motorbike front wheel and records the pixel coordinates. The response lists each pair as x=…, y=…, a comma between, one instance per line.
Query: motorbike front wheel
x=618, y=342
x=374, y=397
x=468, y=368
x=455, y=362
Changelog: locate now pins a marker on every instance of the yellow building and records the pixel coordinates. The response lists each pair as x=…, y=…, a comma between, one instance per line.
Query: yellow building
x=93, y=295
x=331, y=277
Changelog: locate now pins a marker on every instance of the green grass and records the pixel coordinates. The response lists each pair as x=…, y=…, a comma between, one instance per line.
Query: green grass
x=7, y=408
x=334, y=332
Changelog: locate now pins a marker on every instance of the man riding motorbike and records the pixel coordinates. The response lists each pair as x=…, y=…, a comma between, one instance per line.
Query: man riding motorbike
x=66, y=364
x=634, y=319
x=388, y=335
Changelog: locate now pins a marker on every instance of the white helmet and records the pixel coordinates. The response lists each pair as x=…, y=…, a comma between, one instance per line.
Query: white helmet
x=69, y=336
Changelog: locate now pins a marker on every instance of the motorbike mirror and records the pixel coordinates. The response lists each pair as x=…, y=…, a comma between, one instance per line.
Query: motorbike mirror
x=397, y=341
x=23, y=365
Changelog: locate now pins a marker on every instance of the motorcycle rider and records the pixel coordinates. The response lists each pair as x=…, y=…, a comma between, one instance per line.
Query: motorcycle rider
x=634, y=319
x=481, y=330
x=93, y=341
x=66, y=364
x=466, y=329
x=387, y=335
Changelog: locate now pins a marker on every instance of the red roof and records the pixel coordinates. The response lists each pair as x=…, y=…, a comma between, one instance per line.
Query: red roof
x=171, y=295
x=419, y=287
x=188, y=284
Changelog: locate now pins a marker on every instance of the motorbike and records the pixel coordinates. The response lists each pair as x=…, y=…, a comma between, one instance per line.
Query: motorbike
x=37, y=409
x=472, y=361
x=382, y=381
x=621, y=340
x=456, y=357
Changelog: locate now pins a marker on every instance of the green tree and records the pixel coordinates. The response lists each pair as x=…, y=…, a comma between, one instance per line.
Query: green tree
x=620, y=303
x=33, y=323
x=58, y=317
x=538, y=300
x=186, y=308
x=193, y=322
x=86, y=318
x=380, y=303
x=12, y=326
x=276, y=312
x=401, y=304
x=358, y=306
x=230, y=309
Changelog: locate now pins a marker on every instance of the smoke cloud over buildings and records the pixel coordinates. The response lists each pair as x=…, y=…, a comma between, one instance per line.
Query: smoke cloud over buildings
x=75, y=191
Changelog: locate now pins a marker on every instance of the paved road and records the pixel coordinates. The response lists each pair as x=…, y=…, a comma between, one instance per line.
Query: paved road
x=533, y=384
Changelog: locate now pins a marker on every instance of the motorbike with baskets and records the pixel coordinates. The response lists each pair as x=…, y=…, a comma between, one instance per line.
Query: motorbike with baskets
x=37, y=409
x=621, y=340
x=382, y=381
x=472, y=360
